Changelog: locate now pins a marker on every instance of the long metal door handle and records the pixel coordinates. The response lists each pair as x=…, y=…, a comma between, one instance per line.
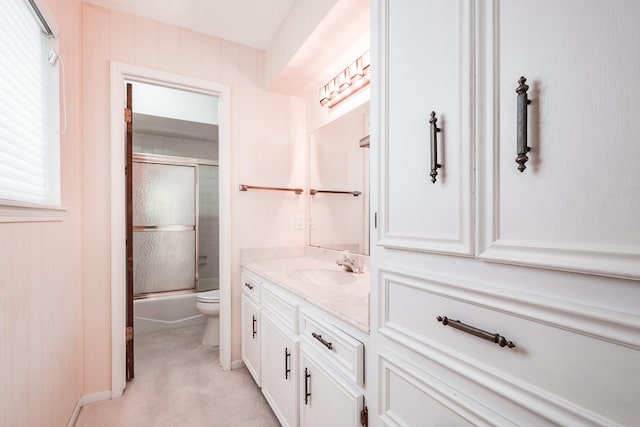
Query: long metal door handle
x=495, y=338
x=523, y=101
x=322, y=340
x=307, y=392
x=287, y=369
x=434, y=147
x=255, y=322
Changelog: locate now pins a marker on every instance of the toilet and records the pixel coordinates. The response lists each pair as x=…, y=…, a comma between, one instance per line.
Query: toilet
x=208, y=304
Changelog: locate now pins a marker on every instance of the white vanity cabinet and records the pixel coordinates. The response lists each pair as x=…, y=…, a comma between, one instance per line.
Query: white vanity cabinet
x=251, y=325
x=547, y=257
x=331, y=374
x=328, y=400
x=309, y=363
x=280, y=354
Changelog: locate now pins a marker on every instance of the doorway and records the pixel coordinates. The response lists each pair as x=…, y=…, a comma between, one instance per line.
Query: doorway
x=120, y=73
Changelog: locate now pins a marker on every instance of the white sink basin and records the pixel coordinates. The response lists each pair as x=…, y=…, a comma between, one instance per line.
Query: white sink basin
x=323, y=277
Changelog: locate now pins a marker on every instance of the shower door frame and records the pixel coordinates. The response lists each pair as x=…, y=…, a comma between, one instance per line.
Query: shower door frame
x=161, y=159
x=119, y=74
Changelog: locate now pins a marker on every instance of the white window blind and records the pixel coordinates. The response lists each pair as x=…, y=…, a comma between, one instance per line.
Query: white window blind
x=29, y=116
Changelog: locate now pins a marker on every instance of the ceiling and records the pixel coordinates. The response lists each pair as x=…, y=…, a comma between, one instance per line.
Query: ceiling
x=247, y=22
x=166, y=126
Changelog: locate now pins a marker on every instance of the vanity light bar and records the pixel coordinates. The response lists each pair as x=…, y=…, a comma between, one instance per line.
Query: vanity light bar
x=347, y=82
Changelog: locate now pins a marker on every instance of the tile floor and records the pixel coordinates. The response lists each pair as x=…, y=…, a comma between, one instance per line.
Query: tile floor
x=180, y=383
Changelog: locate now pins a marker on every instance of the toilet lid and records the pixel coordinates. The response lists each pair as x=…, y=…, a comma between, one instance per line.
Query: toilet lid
x=209, y=296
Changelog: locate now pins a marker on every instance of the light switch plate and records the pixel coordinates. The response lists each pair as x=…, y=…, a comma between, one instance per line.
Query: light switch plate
x=300, y=222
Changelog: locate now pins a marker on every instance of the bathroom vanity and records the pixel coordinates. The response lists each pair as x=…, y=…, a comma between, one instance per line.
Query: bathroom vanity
x=305, y=324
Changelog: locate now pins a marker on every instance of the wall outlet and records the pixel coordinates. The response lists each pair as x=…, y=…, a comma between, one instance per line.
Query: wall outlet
x=299, y=222
x=312, y=223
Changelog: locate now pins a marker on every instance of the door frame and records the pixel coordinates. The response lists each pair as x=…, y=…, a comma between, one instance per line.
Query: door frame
x=119, y=72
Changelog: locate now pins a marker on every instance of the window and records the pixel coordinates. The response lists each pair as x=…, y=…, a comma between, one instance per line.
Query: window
x=29, y=105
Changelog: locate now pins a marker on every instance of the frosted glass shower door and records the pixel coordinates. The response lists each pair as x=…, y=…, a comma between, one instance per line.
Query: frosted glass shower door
x=208, y=228
x=164, y=228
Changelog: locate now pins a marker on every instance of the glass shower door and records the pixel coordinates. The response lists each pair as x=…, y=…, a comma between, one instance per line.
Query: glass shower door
x=164, y=227
x=208, y=228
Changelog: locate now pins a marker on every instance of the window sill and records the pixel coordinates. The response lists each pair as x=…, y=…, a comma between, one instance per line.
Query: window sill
x=11, y=211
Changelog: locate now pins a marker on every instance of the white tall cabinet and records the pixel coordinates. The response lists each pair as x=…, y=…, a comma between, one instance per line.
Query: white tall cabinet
x=547, y=258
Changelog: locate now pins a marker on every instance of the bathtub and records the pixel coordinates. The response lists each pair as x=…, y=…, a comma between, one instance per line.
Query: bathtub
x=165, y=312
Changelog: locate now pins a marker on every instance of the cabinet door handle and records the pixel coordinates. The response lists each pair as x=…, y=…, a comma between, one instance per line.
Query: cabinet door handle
x=434, y=147
x=496, y=338
x=523, y=101
x=322, y=340
x=307, y=392
x=287, y=369
x=249, y=285
x=255, y=323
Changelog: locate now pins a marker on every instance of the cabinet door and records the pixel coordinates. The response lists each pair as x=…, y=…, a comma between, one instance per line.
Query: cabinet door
x=327, y=400
x=428, y=68
x=575, y=207
x=251, y=336
x=280, y=373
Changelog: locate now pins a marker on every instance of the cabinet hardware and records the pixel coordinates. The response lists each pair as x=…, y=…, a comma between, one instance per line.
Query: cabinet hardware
x=307, y=392
x=249, y=285
x=495, y=338
x=255, y=322
x=287, y=369
x=322, y=340
x=364, y=417
x=523, y=101
x=434, y=147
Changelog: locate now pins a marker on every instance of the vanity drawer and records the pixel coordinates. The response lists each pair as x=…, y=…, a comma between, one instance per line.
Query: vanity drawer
x=338, y=348
x=251, y=284
x=280, y=305
x=561, y=352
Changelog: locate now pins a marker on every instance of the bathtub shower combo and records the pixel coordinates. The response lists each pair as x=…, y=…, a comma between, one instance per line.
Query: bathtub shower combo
x=175, y=244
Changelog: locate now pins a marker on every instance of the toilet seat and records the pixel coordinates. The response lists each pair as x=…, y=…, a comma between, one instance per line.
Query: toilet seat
x=209, y=297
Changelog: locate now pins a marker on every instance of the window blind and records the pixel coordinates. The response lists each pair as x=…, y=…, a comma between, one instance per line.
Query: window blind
x=26, y=163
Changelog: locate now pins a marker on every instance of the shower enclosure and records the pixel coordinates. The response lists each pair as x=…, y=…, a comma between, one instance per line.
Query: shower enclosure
x=175, y=225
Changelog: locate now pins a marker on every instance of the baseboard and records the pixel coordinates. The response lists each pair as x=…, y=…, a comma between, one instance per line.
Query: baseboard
x=237, y=364
x=85, y=400
x=95, y=397
x=75, y=413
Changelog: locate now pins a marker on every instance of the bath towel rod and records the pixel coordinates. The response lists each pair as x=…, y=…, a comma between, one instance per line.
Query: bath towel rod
x=244, y=187
x=313, y=192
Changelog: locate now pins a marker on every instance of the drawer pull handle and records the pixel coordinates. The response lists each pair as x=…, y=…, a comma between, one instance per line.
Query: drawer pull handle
x=434, y=147
x=322, y=340
x=287, y=369
x=307, y=392
x=496, y=338
x=523, y=101
x=255, y=329
x=249, y=285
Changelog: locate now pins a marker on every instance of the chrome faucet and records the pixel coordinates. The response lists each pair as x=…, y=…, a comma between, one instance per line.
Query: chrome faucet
x=349, y=263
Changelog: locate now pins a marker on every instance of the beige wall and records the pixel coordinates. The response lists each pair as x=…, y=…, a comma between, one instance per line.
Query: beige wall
x=267, y=138
x=41, y=348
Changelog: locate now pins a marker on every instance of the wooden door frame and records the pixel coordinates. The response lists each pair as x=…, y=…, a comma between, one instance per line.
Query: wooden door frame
x=129, y=344
x=119, y=73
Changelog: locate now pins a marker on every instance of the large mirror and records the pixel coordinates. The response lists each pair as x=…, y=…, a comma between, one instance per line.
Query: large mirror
x=339, y=183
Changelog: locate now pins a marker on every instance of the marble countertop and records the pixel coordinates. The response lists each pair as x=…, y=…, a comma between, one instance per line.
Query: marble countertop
x=348, y=302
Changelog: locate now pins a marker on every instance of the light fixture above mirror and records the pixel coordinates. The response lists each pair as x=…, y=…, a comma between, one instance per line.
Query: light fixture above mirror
x=347, y=82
